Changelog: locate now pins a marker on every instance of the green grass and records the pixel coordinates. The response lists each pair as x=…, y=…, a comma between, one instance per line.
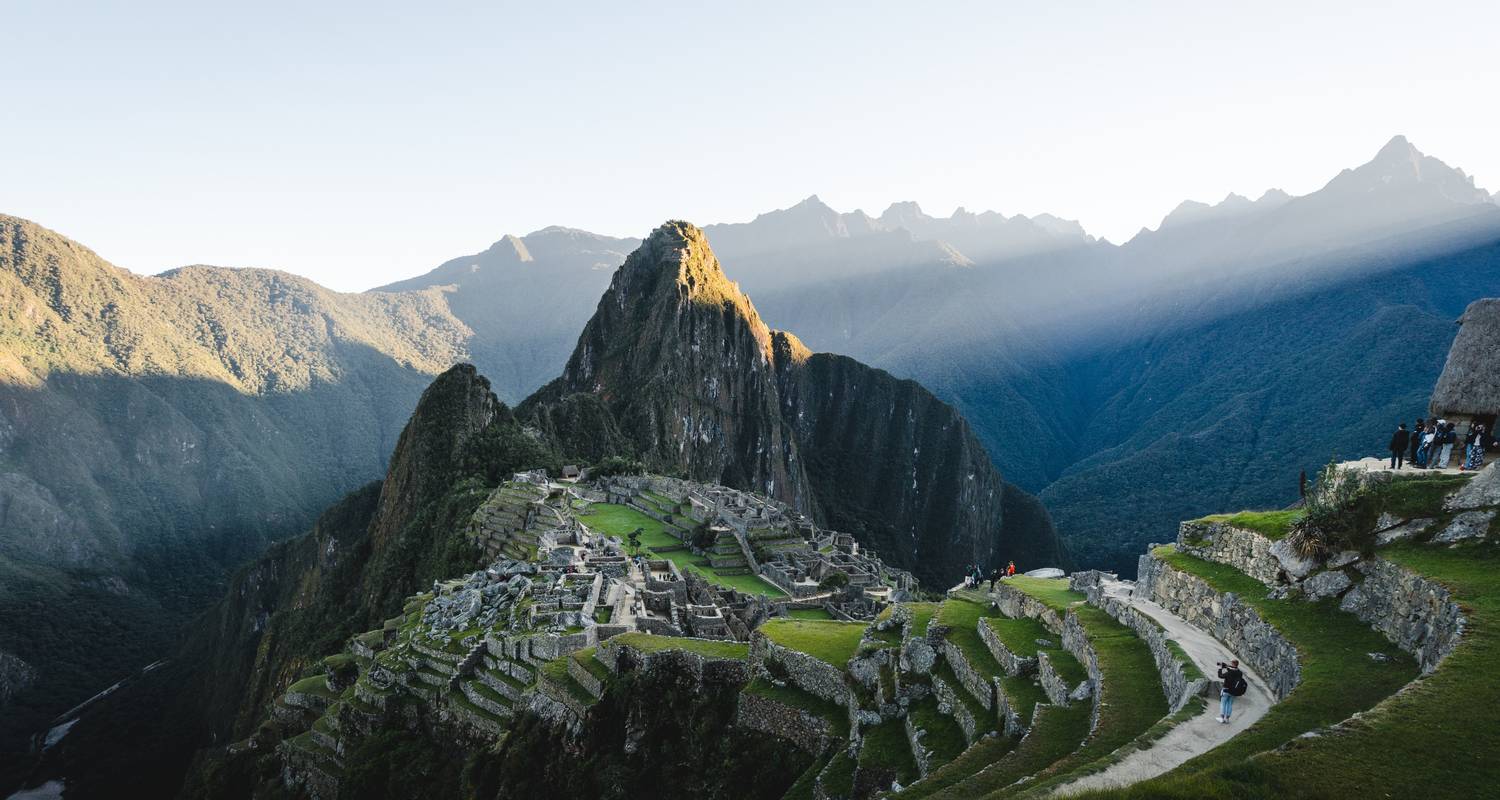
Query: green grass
x=833, y=642
x=1053, y=592
x=1131, y=701
x=944, y=738
x=886, y=746
x=1419, y=496
x=986, y=751
x=962, y=617
x=556, y=671
x=585, y=659
x=803, y=788
x=619, y=521
x=1439, y=739
x=1191, y=709
x=1019, y=635
x=838, y=779
x=1057, y=732
x=1338, y=679
x=1270, y=524
x=921, y=615
x=809, y=613
x=984, y=719
x=836, y=715
x=317, y=685
x=711, y=648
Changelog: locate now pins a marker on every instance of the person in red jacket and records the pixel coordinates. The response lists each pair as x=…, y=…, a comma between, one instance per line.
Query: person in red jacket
x=1010, y=570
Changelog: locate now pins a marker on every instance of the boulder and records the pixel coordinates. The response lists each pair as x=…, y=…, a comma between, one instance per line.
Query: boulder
x=918, y=656
x=1468, y=525
x=1295, y=566
x=1326, y=584
x=1343, y=559
x=1046, y=572
x=1405, y=530
x=1483, y=490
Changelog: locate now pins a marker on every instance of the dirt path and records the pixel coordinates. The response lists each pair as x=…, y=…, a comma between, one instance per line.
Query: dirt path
x=1194, y=736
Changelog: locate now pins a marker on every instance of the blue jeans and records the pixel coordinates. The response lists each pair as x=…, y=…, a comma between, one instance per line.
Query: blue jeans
x=1226, y=703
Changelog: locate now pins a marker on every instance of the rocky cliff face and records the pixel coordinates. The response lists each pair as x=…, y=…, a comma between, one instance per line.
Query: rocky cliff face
x=697, y=383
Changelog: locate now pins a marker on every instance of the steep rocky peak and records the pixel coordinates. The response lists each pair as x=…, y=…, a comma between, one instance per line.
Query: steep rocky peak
x=676, y=265
x=511, y=248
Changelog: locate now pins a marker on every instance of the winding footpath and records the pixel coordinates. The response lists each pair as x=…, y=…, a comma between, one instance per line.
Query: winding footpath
x=1192, y=737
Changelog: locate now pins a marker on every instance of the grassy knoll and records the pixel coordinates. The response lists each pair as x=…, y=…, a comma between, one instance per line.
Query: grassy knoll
x=1338, y=679
x=619, y=521
x=1019, y=635
x=833, y=642
x=1057, y=732
x=1270, y=524
x=712, y=648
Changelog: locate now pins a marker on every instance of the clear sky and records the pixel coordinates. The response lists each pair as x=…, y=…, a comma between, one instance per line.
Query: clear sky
x=361, y=142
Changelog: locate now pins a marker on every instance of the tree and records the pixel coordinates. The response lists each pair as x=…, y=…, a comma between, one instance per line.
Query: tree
x=634, y=540
x=834, y=582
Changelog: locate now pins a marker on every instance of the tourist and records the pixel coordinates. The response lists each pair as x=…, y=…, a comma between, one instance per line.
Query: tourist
x=1424, y=452
x=994, y=576
x=1416, y=441
x=1234, y=686
x=1010, y=570
x=1447, y=435
x=1399, y=442
x=1474, y=447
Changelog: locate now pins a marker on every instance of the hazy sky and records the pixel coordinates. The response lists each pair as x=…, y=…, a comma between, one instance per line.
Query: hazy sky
x=360, y=142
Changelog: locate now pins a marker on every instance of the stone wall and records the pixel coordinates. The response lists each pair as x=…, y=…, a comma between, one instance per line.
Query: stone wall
x=1225, y=617
x=1415, y=613
x=808, y=673
x=949, y=702
x=1245, y=550
x=586, y=679
x=1076, y=641
x=1172, y=670
x=1015, y=603
x=1052, y=684
x=1013, y=664
x=977, y=684
x=807, y=731
x=618, y=657
x=920, y=754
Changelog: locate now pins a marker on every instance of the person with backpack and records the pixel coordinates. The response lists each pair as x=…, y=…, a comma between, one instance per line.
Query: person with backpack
x=1416, y=442
x=1234, y=686
x=1399, y=441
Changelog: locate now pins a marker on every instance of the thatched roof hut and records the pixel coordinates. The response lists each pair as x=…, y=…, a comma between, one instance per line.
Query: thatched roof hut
x=1470, y=383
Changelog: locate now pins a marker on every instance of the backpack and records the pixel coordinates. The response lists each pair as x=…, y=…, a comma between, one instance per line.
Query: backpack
x=1236, y=685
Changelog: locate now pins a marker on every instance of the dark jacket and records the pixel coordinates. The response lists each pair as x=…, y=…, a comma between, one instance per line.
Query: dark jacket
x=1400, y=439
x=1230, y=676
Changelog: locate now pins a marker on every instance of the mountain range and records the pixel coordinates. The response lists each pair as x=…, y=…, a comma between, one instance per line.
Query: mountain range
x=156, y=431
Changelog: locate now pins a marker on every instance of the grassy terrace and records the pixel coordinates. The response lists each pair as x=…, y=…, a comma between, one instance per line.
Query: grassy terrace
x=921, y=615
x=835, y=714
x=833, y=642
x=886, y=745
x=585, y=659
x=711, y=648
x=1437, y=740
x=317, y=684
x=944, y=739
x=619, y=521
x=1338, y=679
x=1131, y=701
x=556, y=671
x=1270, y=524
x=809, y=613
x=1054, y=592
x=1019, y=635
x=1057, y=732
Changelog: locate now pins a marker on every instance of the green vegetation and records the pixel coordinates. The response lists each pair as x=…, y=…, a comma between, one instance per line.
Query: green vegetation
x=315, y=685
x=556, y=672
x=793, y=697
x=1270, y=524
x=809, y=613
x=886, y=746
x=944, y=738
x=921, y=615
x=1057, y=732
x=618, y=522
x=711, y=648
x=830, y=641
x=1019, y=635
x=1053, y=592
x=838, y=778
x=988, y=750
x=962, y=618
x=1189, y=710
x=1419, y=495
x=1338, y=679
x=586, y=659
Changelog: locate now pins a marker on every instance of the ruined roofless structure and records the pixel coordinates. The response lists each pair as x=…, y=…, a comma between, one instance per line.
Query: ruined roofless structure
x=1469, y=387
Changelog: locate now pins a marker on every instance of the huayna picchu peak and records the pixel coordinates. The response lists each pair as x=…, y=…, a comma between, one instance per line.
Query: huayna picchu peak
x=696, y=382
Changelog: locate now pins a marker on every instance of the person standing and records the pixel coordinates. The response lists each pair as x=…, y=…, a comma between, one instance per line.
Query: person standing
x=1416, y=441
x=1474, y=447
x=1448, y=435
x=1234, y=686
x=1424, y=451
x=1399, y=442
x=1010, y=570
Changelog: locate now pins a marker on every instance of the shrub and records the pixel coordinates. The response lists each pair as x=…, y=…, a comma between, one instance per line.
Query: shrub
x=1339, y=513
x=834, y=582
x=611, y=466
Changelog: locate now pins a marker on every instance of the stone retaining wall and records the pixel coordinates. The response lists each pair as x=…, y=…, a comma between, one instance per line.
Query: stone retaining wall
x=807, y=731
x=1171, y=669
x=586, y=679
x=977, y=684
x=1225, y=617
x=808, y=673
x=947, y=696
x=1015, y=603
x=1013, y=664
x=918, y=751
x=617, y=657
x=1245, y=550
x=1417, y=614
x=1052, y=684
x=1006, y=712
